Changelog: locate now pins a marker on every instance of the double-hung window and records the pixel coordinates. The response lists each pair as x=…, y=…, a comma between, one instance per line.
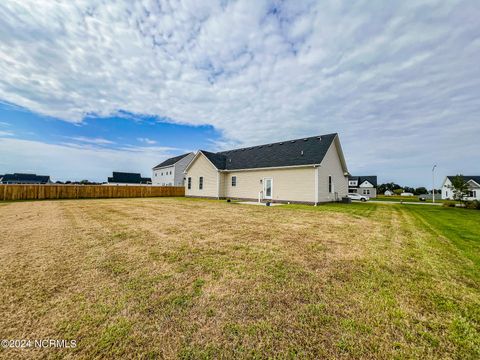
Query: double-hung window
x=189, y=183
x=200, y=183
x=234, y=181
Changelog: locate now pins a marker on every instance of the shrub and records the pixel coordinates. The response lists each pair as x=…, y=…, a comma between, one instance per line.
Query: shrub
x=449, y=203
x=475, y=204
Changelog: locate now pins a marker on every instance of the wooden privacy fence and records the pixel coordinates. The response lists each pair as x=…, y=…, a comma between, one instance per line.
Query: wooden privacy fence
x=40, y=192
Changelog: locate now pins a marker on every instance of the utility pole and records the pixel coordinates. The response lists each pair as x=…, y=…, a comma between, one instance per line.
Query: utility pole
x=433, y=183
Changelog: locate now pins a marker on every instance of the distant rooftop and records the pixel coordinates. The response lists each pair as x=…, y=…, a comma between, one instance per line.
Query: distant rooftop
x=22, y=178
x=171, y=161
x=128, y=178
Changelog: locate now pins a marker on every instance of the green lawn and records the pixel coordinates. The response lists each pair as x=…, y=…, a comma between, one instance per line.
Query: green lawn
x=203, y=279
x=398, y=198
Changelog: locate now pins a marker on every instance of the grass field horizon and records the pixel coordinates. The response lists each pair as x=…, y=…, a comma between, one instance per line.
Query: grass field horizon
x=184, y=278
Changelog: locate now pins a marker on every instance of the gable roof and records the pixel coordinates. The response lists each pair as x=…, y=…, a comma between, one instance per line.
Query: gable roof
x=128, y=178
x=372, y=179
x=20, y=177
x=297, y=152
x=171, y=161
x=466, y=178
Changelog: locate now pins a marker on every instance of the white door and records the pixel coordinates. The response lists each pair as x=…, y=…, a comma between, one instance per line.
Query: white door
x=267, y=188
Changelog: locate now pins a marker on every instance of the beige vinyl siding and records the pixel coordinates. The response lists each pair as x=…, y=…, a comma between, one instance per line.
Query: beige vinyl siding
x=295, y=184
x=332, y=166
x=202, y=167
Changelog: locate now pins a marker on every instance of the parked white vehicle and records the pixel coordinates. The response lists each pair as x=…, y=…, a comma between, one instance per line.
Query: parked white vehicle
x=354, y=196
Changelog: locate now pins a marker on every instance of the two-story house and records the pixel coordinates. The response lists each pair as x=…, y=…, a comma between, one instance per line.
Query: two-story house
x=363, y=185
x=171, y=171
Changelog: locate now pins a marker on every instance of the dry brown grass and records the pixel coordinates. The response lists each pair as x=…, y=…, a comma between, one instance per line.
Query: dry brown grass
x=178, y=278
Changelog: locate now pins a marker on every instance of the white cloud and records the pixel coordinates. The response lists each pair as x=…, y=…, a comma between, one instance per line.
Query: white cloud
x=260, y=72
x=77, y=162
x=97, y=141
x=147, y=141
x=6, y=133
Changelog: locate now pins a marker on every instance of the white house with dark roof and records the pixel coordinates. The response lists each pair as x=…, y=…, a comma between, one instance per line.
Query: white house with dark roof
x=363, y=185
x=473, y=182
x=171, y=171
x=308, y=170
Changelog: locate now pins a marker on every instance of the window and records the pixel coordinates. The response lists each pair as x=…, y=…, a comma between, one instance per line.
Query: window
x=234, y=181
x=161, y=174
x=156, y=174
x=330, y=185
x=189, y=183
x=200, y=183
x=366, y=191
x=472, y=193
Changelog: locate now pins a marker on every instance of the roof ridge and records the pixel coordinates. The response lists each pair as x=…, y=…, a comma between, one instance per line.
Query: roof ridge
x=275, y=143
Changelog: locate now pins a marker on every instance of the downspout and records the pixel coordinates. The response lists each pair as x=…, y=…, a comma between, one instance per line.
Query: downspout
x=218, y=184
x=316, y=169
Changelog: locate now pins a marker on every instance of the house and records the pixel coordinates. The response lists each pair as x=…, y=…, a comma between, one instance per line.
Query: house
x=125, y=178
x=407, y=194
x=388, y=193
x=363, y=185
x=19, y=178
x=473, y=182
x=308, y=170
x=171, y=172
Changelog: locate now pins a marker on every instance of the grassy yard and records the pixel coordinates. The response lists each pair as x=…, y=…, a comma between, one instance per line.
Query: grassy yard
x=438, y=198
x=179, y=278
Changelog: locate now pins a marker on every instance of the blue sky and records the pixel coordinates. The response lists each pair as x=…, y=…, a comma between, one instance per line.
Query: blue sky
x=88, y=88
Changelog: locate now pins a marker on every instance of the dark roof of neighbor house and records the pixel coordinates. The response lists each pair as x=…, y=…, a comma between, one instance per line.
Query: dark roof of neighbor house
x=304, y=151
x=467, y=178
x=171, y=161
x=31, y=178
x=372, y=179
x=128, y=178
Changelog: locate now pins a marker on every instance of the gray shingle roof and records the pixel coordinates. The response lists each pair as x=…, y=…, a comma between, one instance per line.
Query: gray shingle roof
x=171, y=161
x=128, y=178
x=372, y=179
x=467, y=178
x=304, y=151
x=31, y=178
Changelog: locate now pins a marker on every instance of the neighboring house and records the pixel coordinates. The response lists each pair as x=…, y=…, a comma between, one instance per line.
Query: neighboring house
x=171, y=172
x=18, y=178
x=407, y=194
x=389, y=193
x=125, y=178
x=363, y=185
x=473, y=184
x=308, y=170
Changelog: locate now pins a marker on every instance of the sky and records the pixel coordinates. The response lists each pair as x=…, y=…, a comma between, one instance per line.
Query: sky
x=91, y=87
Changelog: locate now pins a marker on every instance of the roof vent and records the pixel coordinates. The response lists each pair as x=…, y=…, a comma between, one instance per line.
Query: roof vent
x=305, y=139
x=319, y=138
x=280, y=143
x=292, y=141
x=229, y=160
x=301, y=152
